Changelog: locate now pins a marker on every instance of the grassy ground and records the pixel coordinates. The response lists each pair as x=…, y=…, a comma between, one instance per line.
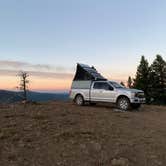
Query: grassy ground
x=60, y=133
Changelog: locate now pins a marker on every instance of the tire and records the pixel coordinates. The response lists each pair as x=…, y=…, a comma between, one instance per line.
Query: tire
x=123, y=103
x=135, y=105
x=79, y=100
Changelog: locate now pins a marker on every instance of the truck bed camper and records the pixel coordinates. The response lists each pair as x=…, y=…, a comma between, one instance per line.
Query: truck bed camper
x=90, y=86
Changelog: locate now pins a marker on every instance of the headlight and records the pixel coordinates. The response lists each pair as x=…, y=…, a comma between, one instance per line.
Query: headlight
x=136, y=94
x=133, y=94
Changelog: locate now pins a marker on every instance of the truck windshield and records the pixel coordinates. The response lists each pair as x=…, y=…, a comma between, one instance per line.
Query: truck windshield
x=117, y=85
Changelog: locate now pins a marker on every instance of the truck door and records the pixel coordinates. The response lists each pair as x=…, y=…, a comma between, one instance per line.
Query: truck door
x=102, y=91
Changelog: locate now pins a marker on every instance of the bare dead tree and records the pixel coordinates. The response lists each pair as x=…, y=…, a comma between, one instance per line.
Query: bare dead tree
x=24, y=83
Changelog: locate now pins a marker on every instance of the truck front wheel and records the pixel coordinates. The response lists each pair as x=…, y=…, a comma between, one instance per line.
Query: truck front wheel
x=123, y=103
x=79, y=100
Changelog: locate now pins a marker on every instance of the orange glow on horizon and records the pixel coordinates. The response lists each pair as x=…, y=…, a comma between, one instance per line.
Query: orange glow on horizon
x=52, y=84
x=10, y=83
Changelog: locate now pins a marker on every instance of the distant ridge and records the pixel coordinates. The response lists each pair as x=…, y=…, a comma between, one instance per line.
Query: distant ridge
x=11, y=96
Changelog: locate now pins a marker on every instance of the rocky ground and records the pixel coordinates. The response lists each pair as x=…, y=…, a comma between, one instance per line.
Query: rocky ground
x=62, y=134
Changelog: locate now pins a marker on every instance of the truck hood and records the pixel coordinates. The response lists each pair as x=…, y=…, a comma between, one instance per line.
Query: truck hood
x=129, y=90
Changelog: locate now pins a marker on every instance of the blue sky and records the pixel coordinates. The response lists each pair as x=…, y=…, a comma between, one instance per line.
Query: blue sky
x=110, y=34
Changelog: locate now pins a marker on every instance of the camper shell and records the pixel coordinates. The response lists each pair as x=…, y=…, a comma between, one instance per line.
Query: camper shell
x=84, y=77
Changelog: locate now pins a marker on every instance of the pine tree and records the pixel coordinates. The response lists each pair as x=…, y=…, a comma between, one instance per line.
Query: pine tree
x=142, y=77
x=158, y=79
x=129, y=82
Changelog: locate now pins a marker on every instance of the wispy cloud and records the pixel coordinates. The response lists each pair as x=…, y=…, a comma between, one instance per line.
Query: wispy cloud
x=18, y=64
x=55, y=75
x=4, y=72
x=51, y=74
x=13, y=65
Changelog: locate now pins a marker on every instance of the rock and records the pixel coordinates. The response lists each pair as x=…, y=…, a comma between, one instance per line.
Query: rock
x=21, y=144
x=120, y=162
x=97, y=146
x=1, y=135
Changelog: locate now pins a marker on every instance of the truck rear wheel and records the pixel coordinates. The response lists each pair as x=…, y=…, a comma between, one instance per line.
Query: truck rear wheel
x=123, y=103
x=79, y=100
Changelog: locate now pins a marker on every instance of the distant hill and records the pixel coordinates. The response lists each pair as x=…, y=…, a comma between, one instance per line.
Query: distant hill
x=11, y=96
x=37, y=96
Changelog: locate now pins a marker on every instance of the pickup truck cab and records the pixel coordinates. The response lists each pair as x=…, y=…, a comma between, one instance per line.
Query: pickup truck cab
x=90, y=86
x=108, y=91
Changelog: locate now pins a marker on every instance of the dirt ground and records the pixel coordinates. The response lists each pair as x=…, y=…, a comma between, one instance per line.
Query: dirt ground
x=62, y=134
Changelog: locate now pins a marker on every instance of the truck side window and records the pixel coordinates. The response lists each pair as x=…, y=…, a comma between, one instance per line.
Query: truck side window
x=102, y=85
x=97, y=85
x=106, y=86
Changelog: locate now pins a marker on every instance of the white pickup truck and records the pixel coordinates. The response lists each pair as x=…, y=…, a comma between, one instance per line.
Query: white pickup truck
x=102, y=90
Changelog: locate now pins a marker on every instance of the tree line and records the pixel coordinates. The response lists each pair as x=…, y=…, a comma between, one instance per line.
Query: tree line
x=151, y=78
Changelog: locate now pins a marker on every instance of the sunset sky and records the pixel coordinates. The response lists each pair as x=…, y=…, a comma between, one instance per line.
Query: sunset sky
x=47, y=38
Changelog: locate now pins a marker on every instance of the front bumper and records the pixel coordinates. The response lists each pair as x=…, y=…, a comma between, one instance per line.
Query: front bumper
x=138, y=100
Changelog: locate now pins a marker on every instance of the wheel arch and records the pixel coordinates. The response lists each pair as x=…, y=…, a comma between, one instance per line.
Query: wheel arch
x=77, y=95
x=120, y=96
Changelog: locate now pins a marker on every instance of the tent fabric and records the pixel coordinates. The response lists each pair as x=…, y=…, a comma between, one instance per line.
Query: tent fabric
x=85, y=72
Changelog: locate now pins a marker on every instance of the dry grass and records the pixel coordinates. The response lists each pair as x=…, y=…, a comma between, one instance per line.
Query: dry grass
x=59, y=133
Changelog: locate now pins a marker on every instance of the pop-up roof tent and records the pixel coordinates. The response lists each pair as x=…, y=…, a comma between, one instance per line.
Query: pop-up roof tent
x=85, y=72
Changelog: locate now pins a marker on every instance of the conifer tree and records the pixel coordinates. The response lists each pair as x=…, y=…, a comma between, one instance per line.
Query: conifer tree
x=129, y=82
x=158, y=79
x=142, y=77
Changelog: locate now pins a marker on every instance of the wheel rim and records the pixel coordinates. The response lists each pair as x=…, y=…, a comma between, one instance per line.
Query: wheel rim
x=79, y=100
x=123, y=104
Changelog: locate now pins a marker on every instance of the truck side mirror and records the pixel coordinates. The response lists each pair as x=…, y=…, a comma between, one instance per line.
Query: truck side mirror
x=111, y=88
